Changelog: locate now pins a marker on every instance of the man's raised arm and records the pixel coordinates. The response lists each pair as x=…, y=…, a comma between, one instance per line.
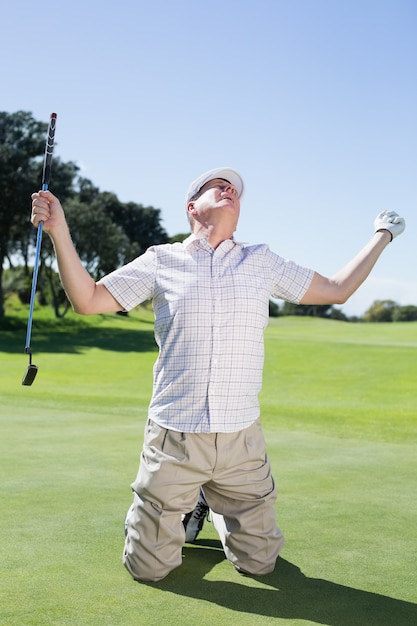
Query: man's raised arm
x=85, y=295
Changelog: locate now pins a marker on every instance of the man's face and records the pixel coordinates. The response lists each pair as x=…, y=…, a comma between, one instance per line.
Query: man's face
x=218, y=199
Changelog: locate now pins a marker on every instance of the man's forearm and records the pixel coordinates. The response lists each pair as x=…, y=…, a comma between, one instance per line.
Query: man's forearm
x=338, y=288
x=351, y=277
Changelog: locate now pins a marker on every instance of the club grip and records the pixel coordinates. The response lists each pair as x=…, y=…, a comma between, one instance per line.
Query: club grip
x=49, y=148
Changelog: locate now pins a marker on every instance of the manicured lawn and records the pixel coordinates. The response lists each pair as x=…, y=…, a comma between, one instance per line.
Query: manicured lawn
x=339, y=408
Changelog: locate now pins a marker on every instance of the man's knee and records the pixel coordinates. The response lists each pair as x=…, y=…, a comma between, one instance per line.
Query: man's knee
x=146, y=571
x=153, y=541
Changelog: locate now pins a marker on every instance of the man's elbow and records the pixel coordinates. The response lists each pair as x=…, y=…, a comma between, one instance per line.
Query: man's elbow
x=341, y=299
x=80, y=310
x=83, y=308
x=342, y=295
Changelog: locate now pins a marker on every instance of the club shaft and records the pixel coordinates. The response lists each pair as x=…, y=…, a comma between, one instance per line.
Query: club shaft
x=34, y=283
x=49, y=147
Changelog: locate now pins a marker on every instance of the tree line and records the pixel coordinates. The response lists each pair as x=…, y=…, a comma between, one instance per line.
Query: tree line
x=379, y=311
x=106, y=232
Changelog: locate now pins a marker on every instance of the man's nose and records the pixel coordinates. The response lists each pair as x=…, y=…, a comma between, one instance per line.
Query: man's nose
x=230, y=188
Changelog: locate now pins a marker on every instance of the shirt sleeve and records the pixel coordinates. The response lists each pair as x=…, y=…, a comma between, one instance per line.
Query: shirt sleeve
x=134, y=282
x=290, y=280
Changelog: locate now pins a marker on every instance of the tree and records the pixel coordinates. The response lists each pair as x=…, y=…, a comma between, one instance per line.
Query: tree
x=337, y=314
x=178, y=237
x=22, y=141
x=101, y=244
x=312, y=310
x=406, y=313
x=22, y=146
x=380, y=311
x=274, y=310
x=107, y=233
x=142, y=226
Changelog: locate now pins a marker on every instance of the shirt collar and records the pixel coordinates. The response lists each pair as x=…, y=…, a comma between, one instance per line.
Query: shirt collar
x=193, y=240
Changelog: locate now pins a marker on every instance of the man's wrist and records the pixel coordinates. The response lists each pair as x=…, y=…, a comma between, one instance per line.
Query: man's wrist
x=385, y=230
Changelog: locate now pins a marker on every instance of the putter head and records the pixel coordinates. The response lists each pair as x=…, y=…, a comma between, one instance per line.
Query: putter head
x=30, y=375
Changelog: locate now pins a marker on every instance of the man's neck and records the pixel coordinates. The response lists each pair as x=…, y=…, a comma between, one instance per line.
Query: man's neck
x=213, y=234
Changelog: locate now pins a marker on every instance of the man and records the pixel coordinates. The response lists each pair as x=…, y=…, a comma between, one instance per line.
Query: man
x=210, y=297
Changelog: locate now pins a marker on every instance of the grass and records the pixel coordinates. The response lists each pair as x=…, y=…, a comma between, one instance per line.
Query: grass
x=351, y=380
x=339, y=407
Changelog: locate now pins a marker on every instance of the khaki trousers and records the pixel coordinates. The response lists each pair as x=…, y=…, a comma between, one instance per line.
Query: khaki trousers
x=233, y=470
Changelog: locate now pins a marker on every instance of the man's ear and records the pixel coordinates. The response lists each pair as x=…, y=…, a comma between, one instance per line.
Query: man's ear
x=190, y=207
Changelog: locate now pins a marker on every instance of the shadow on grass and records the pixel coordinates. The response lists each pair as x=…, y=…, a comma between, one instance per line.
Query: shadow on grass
x=291, y=594
x=74, y=337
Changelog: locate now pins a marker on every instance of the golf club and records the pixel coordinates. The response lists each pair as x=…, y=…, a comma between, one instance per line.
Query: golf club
x=32, y=369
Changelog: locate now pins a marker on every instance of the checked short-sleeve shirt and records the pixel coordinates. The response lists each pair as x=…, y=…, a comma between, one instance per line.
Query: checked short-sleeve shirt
x=211, y=308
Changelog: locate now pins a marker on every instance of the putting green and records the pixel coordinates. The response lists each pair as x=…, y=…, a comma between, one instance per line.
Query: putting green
x=344, y=463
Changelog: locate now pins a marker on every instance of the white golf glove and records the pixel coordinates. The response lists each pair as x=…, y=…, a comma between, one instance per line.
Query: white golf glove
x=389, y=220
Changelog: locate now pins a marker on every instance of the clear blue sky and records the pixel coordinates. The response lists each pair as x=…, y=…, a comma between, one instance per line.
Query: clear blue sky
x=314, y=102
